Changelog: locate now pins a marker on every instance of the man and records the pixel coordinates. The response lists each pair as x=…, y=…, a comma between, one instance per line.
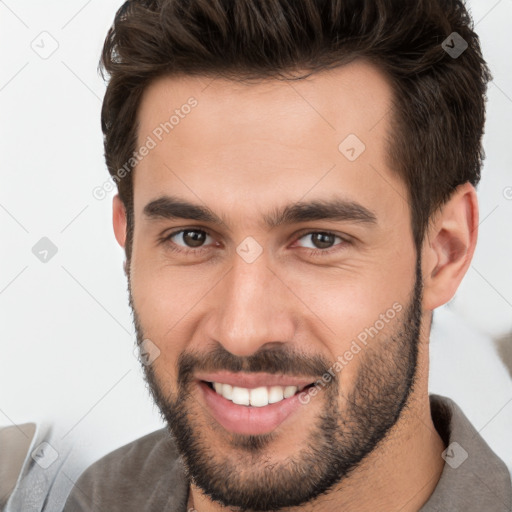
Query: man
x=296, y=197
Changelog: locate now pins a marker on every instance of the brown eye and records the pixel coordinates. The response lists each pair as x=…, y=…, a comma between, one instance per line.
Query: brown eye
x=321, y=240
x=194, y=238
x=185, y=239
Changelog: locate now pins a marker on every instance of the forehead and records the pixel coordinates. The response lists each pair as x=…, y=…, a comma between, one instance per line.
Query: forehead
x=266, y=139
x=352, y=97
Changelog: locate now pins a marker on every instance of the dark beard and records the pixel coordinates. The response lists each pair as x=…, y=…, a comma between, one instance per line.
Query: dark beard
x=245, y=477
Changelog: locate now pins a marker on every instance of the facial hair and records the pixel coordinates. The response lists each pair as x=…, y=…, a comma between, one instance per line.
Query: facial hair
x=349, y=427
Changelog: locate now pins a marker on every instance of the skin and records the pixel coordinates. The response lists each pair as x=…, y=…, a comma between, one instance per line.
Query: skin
x=243, y=151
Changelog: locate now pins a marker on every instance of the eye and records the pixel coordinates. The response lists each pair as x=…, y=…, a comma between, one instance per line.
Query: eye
x=323, y=242
x=186, y=240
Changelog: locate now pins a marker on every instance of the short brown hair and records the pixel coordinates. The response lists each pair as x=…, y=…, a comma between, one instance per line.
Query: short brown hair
x=438, y=110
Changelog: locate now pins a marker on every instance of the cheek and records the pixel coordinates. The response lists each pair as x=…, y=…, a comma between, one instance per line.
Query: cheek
x=347, y=300
x=351, y=313
x=165, y=293
x=162, y=299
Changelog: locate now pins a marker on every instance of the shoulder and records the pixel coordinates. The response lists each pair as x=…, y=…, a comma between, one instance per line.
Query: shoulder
x=473, y=476
x=141, y=454
x=146, y=474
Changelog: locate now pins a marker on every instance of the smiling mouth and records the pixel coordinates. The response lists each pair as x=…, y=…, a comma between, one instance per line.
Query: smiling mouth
x=255, y=397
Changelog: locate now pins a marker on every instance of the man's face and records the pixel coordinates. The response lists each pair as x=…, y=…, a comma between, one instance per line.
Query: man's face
x=288, y=302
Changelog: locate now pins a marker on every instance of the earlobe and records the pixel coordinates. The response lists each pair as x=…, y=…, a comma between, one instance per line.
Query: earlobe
x=119, y=220
x=449, y=246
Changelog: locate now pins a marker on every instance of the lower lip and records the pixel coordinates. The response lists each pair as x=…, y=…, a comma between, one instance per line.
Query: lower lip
x=243, y=419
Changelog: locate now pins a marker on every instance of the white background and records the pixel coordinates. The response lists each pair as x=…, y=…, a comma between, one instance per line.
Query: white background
x=66, y=332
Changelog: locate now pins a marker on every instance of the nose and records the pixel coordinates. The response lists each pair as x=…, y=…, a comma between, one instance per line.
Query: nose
x=252, y=308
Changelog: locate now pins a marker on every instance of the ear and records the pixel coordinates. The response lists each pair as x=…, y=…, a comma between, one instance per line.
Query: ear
x=449, y=246
x=119, y=220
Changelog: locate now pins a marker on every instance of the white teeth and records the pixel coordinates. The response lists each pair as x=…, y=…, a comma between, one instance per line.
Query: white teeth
x=276, y=394
x=290, y=391
x=227, y=391
x=240, y=396
x=257, y=397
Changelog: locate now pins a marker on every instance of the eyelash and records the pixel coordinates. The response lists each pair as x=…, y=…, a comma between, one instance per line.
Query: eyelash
x=311, y=252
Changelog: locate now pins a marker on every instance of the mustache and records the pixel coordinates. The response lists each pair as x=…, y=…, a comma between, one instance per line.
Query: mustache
x=273, y=361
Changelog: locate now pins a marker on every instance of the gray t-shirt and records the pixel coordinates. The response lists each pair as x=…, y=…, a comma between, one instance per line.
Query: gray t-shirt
x=148, y=474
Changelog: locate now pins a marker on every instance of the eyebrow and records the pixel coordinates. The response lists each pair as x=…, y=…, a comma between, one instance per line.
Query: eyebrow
x=337, y=209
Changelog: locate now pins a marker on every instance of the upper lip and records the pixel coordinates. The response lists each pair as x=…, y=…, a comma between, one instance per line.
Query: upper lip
x=255, y=380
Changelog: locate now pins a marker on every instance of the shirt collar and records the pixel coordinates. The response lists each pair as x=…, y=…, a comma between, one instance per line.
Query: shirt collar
x=474, y=478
